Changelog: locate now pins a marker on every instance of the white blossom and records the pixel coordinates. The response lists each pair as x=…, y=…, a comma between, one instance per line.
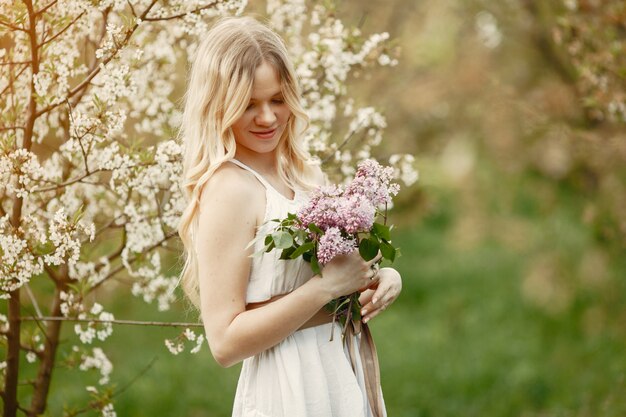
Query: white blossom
x=116, y=164
x=18, y=262
x=93, y=329
x=65, y=234
x=4, y=323
x=404, y=169
x=174, y=348
x=108, y=411
x=487, y=29
x=98, y=361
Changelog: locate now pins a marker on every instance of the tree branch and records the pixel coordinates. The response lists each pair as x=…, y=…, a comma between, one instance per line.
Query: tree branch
x=127, y=322
x=43, y=10
x=121, y=267
x=84, y=83
x=13, y=336
x=70, y=182
x=10, y=26
x=62, y=30
x=157, y=19
x=95, y=404
x=33, y=300
x=44, y=375
x=2, y=129
x=15, y=63
x=10, y=84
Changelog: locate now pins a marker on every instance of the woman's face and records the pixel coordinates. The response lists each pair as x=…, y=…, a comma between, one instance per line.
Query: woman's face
x=265, y=118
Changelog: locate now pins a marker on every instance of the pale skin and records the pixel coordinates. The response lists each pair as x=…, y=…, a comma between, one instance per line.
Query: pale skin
x=231, y=206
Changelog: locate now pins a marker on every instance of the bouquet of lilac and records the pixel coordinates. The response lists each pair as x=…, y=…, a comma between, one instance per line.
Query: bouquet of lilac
x=337, y=220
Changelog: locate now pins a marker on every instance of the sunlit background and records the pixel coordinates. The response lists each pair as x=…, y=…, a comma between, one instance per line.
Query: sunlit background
x=512, y=240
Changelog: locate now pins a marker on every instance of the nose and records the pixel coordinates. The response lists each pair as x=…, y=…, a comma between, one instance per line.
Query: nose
x=265, y=116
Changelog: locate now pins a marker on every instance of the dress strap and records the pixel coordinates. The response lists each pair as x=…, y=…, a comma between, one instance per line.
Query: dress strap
x=256, y=174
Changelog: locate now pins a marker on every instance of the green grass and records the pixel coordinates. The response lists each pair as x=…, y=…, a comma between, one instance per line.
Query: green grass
x=461, y=340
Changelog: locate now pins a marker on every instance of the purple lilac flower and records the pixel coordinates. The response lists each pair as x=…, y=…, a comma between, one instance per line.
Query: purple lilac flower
x=322, y=207
x=373, y=181
x=332, y=244
x=356, y=213
x=352, y=213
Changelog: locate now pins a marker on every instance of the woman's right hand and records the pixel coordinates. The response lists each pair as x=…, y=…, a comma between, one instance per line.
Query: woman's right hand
x=349, y=273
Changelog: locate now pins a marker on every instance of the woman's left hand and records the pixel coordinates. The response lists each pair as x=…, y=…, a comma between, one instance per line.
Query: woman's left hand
x=381, y=294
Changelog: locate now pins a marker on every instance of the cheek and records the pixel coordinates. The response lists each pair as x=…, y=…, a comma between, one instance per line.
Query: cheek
x=284, y=115
x=240, y=126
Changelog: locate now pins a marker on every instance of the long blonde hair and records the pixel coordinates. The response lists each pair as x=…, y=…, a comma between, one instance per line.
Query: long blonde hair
x=219, y=87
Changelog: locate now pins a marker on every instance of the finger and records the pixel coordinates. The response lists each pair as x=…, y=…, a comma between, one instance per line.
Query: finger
x=365, y=297
x=380, y=298
x=380, y=293
x=367, y=308
x=372, y=314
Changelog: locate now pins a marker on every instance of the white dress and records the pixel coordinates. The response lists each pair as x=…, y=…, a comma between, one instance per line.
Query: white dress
x=305, y=375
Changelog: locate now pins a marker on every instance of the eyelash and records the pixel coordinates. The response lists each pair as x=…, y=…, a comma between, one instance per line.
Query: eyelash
x=277, y=101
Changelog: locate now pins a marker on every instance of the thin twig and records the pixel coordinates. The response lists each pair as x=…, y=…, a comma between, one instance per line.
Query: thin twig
x=143, y=371
x=130, y=322
x=156, y=19
x=79, y=138
x=14, y=63
x=341, y=145
x=10, y=84
x=132, y=9
x=122, y=267
x=10, y=26
x=61, y=31
x=33, y=299
x=93, y=404
x=42, y=10
x=70, y=182
x=2, y=129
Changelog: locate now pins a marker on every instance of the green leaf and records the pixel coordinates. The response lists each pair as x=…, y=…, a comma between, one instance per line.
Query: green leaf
x=269, y=247
x=315, y=229
x=315, y=266
x=368, y=249
x=303, y=248
x=78, y=214
x=300, y=236
x=286, y=253
x=283, y=240
x=268, y=239
x=388, y=251
x=382, y=231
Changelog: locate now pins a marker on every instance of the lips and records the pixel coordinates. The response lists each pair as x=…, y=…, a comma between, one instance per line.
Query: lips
x=266, y=134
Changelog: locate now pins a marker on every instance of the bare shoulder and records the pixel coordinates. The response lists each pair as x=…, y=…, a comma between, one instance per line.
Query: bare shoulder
x=232, y=190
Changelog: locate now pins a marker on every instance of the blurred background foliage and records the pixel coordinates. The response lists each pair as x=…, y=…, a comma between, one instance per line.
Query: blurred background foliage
x=513, y=239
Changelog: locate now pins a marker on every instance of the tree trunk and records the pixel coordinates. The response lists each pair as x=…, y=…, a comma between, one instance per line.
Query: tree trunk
x=13, y=356
x=44, y=375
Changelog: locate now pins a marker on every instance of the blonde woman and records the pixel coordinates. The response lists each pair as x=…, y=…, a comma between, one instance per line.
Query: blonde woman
x=244, y=163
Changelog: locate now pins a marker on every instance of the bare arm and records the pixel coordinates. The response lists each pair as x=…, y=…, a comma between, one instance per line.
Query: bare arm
x=226, y=225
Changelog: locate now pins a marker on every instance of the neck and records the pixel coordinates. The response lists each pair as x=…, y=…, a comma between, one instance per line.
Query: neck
x=264, y=163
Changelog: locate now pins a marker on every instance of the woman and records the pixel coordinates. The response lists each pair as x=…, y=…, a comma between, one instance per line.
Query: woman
x=242, y=107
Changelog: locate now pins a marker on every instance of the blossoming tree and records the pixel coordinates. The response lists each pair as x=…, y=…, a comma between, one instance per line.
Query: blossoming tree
x=90, y=163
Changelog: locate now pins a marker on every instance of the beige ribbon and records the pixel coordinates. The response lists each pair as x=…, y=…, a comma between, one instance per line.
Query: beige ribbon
x=369, y=360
